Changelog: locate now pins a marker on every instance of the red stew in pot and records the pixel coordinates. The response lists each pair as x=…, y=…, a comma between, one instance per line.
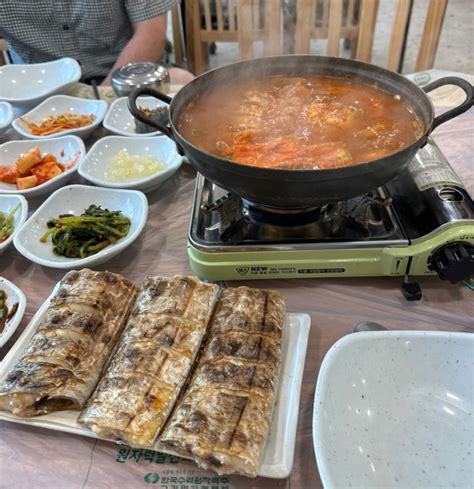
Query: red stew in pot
x=296, y=123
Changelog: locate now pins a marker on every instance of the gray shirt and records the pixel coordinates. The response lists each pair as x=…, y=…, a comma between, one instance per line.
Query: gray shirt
x=94, y=32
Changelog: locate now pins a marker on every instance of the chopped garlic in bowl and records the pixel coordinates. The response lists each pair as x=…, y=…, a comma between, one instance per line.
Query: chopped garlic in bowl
x=138, y=163
x=124, y=167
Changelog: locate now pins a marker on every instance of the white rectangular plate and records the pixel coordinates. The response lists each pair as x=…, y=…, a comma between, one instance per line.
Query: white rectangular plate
x=277, y=460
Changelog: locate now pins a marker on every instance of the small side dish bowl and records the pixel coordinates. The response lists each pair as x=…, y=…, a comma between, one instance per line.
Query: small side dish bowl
x=25, y=86
x=14, y=296
x=6, y=116
x=69, y=150
x=119, y=119
x=75, y=199
x=163, y=149
x=393, y=409
x=7, y=205
x=60, y=104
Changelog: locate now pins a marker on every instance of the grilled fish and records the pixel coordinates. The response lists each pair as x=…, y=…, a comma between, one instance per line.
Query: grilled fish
x=66, y=355
x=153, y=360
x=224, y=416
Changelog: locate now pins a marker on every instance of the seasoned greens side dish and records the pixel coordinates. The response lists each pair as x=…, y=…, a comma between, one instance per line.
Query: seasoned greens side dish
x=6, y=314
x=7, y=224
x=87, y=234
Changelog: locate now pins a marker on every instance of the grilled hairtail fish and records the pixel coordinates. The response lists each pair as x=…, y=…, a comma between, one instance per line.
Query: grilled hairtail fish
x=153, y=360
x=66, y=355
x=223, y=419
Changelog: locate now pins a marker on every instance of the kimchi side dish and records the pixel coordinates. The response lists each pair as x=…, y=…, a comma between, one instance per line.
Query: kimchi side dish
x=315, y=122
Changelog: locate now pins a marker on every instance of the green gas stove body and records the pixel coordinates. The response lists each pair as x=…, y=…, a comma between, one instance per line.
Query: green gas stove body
x=420, y=223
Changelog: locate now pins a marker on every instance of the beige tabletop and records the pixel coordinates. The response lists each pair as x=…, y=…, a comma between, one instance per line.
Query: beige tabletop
x=31, y=457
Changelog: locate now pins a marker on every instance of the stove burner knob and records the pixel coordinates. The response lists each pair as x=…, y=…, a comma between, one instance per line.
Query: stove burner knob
x=454, y=262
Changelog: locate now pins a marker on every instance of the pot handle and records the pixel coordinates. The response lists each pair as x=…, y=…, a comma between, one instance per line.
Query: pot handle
x=133, y=108
x=455, y=111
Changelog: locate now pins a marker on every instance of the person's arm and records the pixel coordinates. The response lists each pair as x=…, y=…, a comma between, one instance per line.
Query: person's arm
x=147, y=44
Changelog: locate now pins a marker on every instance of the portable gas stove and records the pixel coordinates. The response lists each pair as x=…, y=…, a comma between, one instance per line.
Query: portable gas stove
x=420, y=223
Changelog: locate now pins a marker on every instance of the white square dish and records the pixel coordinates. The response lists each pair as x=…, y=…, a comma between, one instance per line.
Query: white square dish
x=8, y=204
x=25, y=86
x=278, y=455
x=393, y=409
x=69, y=150
x=94, y=166
x=74, y=199
x=60, y=104
x=6, y=116
x=14, y=296
x=120, y=121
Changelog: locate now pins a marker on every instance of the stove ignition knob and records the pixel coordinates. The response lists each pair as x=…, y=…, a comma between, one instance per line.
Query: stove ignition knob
x=454, y=262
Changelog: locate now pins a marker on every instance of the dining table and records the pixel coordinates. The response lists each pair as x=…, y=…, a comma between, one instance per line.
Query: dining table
x=37, y=458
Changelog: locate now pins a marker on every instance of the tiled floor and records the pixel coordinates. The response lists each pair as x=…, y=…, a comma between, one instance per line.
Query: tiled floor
x=455, y=52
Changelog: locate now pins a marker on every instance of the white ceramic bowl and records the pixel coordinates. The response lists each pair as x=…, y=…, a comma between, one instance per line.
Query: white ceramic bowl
x=14, y=295
x=120, y=121
x=25, y=86
x=94, y=166
x=6, y=116
x=7, y=204
x=60, y=104
x=393, y=409
x=74, y=199
x=67, y=149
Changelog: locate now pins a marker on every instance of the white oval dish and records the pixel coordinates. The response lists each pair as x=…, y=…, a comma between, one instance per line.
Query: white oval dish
x=14, y=294
x=120, y=121
x=60, y=104
x=25, y=86
x=393, y=409
x=94, y=166
x=6, y=116
x=7, y=204
x=74, y=199
x=74, y=152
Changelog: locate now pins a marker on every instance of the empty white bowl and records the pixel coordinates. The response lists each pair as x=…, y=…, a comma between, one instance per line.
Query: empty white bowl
x=14, y=296
x=75, y=199
x=6, y=116
x=67, y=149
x=393, y=409
x=120, y=121
x=60, y=104
x=25, y=86
x=7, y=204
x=94, y=166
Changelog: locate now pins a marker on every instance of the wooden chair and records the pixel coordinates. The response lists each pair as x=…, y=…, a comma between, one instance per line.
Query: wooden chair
x=337, y=25
x=178, y=41
x=241, y=21
x=327, y=19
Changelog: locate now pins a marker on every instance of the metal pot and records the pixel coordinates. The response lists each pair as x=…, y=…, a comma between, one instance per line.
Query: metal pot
x=140, y=75
x=303, y=188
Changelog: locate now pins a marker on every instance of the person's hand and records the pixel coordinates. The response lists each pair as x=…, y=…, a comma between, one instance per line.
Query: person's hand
x=178, y=76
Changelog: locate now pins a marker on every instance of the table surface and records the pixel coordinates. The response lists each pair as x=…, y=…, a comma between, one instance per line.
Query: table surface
x=35, y=457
